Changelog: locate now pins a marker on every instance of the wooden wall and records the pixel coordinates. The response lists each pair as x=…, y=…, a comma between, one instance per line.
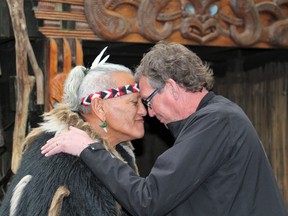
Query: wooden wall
x=262, y=93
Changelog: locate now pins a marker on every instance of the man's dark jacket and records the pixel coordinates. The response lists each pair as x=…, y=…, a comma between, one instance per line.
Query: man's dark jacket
x=217, y=166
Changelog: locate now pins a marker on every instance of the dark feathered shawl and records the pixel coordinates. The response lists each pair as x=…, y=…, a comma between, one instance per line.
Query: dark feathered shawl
x=60, y=184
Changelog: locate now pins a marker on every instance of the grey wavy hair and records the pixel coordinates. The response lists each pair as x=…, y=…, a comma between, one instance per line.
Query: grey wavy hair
x=79, y=85
x=171, y=60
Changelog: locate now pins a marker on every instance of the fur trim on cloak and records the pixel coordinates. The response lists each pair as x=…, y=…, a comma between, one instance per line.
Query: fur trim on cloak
x=61, y=184
x=59, y=119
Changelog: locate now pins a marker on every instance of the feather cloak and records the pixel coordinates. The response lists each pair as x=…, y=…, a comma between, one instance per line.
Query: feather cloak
x=60, y=184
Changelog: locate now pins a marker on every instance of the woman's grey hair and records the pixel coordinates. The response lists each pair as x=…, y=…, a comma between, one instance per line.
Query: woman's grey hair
x=171, y=60
x=79, y=85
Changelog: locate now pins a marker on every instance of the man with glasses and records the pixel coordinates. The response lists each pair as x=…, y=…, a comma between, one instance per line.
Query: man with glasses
x=147, y=102
x=217, y=165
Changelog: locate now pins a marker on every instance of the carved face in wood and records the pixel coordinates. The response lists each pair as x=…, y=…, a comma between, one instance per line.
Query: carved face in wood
x=200, y=21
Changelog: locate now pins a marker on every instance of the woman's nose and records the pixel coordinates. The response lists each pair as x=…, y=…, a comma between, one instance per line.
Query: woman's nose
x=141, y=109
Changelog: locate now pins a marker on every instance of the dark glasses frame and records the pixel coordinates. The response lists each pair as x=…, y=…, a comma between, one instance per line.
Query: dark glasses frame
x=146, y=102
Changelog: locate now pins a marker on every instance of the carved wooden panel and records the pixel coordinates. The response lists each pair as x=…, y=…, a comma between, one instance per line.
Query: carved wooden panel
x=259, y=23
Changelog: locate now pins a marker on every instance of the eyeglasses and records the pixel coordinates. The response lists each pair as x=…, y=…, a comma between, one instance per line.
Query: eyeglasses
x=150, y=97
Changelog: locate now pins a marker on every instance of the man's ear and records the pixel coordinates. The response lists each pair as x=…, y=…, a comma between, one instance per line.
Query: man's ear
x=97, y=108
x=173, y=88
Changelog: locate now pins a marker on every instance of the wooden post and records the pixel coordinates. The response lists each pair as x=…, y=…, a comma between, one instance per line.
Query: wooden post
x=24, y=82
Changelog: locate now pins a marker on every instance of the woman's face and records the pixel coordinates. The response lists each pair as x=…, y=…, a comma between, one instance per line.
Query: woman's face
x=124, y=114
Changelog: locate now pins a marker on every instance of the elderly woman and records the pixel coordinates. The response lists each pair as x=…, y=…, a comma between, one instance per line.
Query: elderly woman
x=103, y=101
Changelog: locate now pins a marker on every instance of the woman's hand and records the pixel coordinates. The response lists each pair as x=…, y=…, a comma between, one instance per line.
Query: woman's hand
x=73, y=142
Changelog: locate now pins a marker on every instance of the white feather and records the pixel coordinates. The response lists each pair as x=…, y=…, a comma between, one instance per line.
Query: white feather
x=103, y=60
x=97, y=61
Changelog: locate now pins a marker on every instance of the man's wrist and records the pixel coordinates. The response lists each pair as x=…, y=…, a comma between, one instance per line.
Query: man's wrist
x=92, y=147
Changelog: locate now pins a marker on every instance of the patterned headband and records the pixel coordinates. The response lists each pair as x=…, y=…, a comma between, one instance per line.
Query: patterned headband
x=111, y=93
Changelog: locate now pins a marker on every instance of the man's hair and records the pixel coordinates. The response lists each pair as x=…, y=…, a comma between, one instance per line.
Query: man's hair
x=81, y=82
x=171, y=60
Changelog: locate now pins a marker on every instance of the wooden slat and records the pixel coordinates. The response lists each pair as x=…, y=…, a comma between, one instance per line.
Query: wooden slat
x=79, y=52
x=50, y=6
x=55, y=32
x=60, y=15
x=53, y=59
x=67, y=56
x=74, y=2
x=56, y=24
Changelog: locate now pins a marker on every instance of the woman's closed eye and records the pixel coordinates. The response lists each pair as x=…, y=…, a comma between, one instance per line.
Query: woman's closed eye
x=135, y=102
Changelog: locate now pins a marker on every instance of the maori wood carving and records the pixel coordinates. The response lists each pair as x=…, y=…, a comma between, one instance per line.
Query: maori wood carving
x=258, y=23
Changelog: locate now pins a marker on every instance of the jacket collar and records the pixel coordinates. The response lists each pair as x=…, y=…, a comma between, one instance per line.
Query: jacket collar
x=176, y=127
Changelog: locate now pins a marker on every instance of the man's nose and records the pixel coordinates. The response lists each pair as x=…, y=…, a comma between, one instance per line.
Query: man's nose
x=151, y=112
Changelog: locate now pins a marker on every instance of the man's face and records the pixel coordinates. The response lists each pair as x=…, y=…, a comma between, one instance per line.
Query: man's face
x=162, y=104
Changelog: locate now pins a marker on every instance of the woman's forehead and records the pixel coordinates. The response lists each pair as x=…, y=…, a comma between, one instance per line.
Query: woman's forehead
x=123, y=78
x=123, y=100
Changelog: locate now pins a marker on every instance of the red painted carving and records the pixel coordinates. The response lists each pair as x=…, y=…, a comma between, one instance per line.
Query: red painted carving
x=251, y=30
x=153, y=24
x=106, y=22
x=246, y=28
x=261, y=23
x=199, y=20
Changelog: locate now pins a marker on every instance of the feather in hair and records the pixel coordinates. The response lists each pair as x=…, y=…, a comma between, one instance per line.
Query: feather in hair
x=97, y=61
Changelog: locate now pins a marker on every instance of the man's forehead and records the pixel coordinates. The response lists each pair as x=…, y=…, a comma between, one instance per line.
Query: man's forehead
x=145, y=89
x=143, y=83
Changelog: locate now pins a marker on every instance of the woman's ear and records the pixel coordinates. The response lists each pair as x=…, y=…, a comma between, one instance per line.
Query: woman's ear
x=97, y=108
